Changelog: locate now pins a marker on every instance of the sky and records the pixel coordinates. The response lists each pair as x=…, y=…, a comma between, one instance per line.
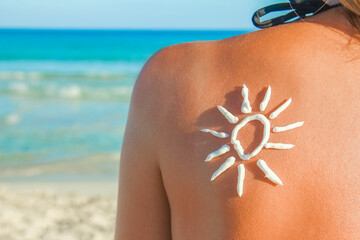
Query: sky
x=129, y=14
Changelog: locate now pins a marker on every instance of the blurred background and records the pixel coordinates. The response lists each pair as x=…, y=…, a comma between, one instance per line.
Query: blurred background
x=67, y=69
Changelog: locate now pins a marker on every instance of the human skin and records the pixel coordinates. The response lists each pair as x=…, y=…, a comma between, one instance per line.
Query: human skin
x=164, y=184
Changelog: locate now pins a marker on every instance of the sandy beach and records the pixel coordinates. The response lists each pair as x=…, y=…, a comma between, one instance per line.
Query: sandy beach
x=54, y=211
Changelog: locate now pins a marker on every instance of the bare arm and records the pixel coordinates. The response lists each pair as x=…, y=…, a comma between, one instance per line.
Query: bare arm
x=143, y=209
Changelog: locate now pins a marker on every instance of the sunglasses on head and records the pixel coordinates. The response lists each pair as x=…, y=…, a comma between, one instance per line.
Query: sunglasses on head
x=298, y=9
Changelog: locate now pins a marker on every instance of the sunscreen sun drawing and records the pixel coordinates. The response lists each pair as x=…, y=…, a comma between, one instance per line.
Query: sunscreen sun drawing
x=246, y=108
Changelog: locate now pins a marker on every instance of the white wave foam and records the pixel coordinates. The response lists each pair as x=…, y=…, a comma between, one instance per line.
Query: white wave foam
x=19, y=87
x=12, y=119
x=32, y=69
x=13, y=75
x=34, y=75
x=73, y=91
x=123, y=90
x=17, y=75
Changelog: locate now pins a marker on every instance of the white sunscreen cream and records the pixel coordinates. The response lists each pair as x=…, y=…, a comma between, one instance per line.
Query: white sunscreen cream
x=231, y=118
x=220, y=151
x=241, y=177
x=215, y=133
x=266, y=134
x=245, y=107
x=228, y=163
x=288, y=127
x=266, y=100
x=268, y=172
x=280, y=109
x=279, y=145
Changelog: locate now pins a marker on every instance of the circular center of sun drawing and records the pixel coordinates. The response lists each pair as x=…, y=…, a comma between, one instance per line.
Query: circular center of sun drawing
x=246, y=108
x=266, y=134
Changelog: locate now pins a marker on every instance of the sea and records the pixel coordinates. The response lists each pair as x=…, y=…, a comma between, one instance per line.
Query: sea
x=65, y=95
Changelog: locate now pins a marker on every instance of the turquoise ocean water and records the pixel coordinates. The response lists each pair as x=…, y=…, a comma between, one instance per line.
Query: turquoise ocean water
x=64, y=98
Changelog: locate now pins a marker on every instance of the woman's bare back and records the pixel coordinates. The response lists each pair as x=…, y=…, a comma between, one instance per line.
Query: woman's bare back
x=165, y=190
